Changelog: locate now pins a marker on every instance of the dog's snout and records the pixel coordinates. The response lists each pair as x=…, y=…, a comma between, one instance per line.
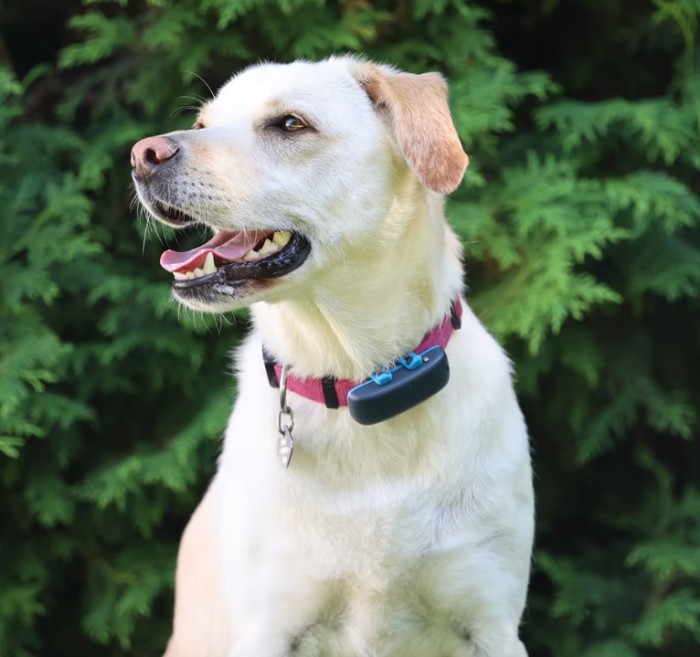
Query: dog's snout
x=148, y=154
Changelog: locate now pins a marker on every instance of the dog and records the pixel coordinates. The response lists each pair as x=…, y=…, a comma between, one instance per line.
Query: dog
x=374, y=492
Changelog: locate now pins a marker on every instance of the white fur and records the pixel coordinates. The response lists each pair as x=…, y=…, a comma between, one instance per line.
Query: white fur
x=409, y=538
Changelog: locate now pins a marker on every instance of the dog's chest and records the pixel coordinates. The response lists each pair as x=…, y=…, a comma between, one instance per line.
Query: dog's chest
x=367, y=535
x=362, y=504
x=348, y=562
x=355, y=503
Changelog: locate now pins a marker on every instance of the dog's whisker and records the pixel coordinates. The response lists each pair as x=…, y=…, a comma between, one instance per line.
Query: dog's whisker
x=143, y=241
x=197, y=99
x=204, y=82
x=185, y=108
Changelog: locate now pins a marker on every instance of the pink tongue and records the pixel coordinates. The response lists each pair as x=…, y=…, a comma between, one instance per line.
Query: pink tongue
x=225, y=244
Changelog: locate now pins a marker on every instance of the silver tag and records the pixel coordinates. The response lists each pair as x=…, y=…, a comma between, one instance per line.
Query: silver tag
x=285, y=446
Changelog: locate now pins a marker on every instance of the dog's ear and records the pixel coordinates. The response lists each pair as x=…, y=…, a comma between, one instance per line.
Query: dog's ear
x=417, y=108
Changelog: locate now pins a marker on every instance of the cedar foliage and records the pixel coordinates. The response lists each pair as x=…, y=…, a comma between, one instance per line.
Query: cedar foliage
x=581, y=218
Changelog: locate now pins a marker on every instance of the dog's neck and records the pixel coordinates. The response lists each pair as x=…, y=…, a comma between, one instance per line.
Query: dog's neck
x=374, y=305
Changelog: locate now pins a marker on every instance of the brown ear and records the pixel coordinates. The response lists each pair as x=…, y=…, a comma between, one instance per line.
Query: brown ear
x=418, y=110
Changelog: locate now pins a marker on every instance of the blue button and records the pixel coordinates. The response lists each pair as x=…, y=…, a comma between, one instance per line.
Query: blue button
x=411, y=361
x=382, y=378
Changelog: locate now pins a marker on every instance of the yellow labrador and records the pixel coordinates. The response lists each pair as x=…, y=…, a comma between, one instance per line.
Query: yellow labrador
x=402, y=525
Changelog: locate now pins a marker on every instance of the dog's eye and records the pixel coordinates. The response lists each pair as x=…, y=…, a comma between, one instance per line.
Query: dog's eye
x=197, y=125
x=290, y=123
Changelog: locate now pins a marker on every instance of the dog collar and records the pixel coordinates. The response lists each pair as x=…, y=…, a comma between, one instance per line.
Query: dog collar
x=400, y=386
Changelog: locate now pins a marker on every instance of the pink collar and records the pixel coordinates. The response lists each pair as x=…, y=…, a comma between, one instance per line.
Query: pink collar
x=334, y=392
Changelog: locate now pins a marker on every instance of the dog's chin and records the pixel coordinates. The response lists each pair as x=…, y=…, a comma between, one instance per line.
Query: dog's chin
x=222, y=298
x=237, y=284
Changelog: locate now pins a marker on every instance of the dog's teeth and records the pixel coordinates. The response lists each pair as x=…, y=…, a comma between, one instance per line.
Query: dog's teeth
x=281, y=237
x=196, y=273
x=268, y=248
x=209, y=266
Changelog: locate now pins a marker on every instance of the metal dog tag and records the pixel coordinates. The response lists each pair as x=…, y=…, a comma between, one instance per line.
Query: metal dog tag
x=285, y=447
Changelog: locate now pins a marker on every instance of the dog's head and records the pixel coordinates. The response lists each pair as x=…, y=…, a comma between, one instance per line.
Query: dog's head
x=289, y=165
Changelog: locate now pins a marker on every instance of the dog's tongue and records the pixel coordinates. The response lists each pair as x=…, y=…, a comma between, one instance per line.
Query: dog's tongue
x=225, y=244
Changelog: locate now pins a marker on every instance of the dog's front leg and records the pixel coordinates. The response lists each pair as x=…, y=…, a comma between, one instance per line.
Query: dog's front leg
x=271, y=625
x=201, y=625
x=271, y=590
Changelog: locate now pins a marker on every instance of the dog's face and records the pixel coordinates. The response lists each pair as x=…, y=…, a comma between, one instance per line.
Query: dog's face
x=289, y=165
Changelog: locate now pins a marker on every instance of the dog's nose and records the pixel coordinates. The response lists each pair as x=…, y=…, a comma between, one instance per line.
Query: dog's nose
x=148, y=154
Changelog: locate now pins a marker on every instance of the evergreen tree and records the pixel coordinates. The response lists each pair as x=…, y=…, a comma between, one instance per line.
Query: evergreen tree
x=581, y=220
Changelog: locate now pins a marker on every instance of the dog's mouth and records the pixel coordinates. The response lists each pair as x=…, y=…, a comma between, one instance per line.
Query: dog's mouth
x=236, y=257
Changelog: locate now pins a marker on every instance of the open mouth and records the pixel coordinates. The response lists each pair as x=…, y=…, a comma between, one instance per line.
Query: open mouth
x=231, y=257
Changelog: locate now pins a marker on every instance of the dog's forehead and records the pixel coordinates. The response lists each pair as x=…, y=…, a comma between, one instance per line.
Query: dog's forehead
x=300, y=84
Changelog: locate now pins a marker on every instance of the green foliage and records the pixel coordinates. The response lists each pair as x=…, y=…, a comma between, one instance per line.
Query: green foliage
x=581, y=220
